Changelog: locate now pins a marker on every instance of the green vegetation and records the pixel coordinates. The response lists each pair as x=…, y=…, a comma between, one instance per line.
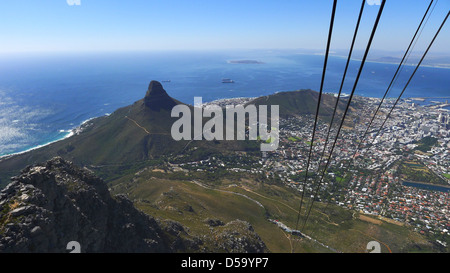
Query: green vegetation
x=5, y=216
x=295, y=139
x=426, y=143
x=339, y=179
x=127, y=140
x=415, y=171
x=138, y=133
x=191, y=201
x=302, y=102
x=133, y=151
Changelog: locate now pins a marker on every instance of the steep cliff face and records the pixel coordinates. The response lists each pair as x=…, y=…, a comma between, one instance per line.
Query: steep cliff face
x=52, y=204
x=157, y=98
x=49, y=205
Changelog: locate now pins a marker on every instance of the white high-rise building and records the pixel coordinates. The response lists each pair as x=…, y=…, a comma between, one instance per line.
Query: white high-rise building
x=443, y=118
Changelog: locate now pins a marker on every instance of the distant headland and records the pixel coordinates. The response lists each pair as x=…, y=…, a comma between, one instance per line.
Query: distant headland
x=245, y=62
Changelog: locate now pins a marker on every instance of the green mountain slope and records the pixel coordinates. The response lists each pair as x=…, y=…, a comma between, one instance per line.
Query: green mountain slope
x=301, y=102
x=201, y=203
x=134, y=150
x=138, y=133
x=134, y=133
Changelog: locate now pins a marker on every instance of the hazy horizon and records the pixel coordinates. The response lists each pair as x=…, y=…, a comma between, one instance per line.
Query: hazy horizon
x=115, y=26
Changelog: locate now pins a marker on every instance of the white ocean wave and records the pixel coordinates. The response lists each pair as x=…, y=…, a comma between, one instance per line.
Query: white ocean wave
x=8, y=134
x=17, y=123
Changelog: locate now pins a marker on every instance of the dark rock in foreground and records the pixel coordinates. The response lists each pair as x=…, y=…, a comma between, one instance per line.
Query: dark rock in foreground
x=52, y=204
x=49, y=205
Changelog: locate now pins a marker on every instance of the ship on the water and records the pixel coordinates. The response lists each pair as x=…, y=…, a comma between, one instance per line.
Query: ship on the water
x=227, y=81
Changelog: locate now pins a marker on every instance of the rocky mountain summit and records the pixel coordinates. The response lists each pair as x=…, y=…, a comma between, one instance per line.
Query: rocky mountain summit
x=142, y=131
x=51, y=204
x=157, y=98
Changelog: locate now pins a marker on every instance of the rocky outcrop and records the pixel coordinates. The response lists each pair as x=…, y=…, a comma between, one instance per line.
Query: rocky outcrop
x=157, y=98
x=238, y=237
x=49, y=205
x=52, y=204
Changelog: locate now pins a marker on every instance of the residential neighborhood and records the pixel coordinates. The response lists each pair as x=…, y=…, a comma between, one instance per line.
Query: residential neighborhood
x=371, y=175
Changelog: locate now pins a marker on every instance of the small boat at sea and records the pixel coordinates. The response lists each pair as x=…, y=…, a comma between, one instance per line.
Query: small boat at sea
x=227, y=81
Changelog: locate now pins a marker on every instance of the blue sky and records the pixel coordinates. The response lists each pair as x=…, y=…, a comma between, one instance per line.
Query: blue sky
x=119, y=25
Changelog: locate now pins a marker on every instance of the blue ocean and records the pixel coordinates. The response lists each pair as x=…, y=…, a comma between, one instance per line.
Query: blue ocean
x=44, y=96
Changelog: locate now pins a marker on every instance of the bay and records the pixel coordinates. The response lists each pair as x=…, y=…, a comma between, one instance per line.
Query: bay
x=44, y=96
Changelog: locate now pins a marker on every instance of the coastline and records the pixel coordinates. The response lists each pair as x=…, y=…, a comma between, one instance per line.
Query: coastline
x=75, y=131
x=220, y=102
x=444, y=66
x=237, y=100
x=78, y=129
x=69, y=134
